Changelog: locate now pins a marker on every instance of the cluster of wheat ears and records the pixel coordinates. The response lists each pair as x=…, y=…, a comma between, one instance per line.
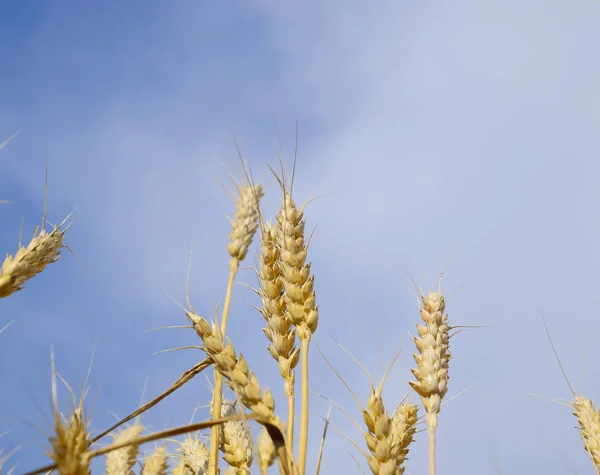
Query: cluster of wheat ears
x=288, y=304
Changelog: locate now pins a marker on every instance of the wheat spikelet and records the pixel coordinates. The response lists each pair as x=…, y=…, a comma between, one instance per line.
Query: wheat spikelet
x=245, y=222
x=29, y=261
x=121, y=461
x=156, y=462
x=404, y=426
x=194, y=455
x=266, y=451
x=589, y=425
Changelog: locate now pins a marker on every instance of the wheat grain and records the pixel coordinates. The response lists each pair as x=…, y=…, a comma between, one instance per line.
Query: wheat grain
x=121, y=461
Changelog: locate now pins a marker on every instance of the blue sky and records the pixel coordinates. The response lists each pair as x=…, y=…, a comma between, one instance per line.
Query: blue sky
x=464, y=130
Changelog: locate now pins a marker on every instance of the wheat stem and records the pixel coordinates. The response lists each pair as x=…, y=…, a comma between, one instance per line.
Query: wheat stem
x=431, y=426
x=290, y=421
x=302, y=447
x=213, y=463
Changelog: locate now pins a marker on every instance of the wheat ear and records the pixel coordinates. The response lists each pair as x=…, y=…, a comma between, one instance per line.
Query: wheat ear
x=299, y=297
x=29, y=261
x=121, y=461
x=156, y=463
x=244, y=226
x=279, y=330
x=432, y=363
